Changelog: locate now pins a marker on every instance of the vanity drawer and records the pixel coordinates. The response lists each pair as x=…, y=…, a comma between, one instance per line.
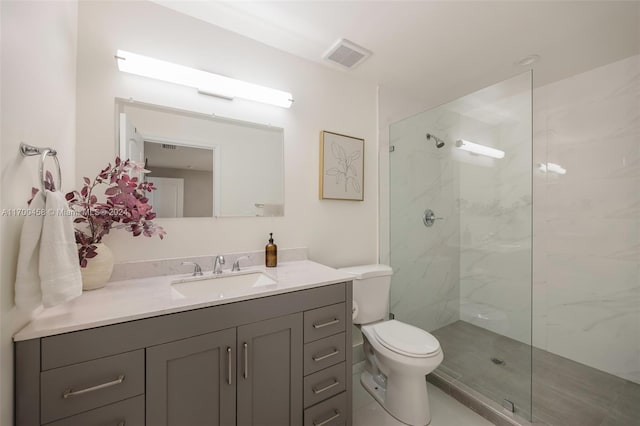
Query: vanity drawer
x=331, y=412
x=81, y=387
x=323, y=322
x=324, y=384
x=129, y=412
x=324, y=353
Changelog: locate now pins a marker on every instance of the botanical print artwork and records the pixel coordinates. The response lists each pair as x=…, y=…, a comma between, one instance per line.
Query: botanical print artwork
x=345, y=172
x=341, y=167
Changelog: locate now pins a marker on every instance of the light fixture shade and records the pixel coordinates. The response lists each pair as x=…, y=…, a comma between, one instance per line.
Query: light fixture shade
x=476, y=148
x=203, y=81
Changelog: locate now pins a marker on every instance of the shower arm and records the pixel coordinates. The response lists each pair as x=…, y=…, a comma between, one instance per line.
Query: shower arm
x=439, y=142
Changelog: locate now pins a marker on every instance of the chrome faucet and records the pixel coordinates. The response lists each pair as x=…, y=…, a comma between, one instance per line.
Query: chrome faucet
x=236, y=264
x=217, y=264
x=197, y=270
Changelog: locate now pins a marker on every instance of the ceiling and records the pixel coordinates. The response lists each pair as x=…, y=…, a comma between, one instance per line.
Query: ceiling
x=439, y=50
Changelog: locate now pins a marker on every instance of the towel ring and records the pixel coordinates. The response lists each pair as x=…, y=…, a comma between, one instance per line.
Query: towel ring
x=29, y=150
x=45, y=153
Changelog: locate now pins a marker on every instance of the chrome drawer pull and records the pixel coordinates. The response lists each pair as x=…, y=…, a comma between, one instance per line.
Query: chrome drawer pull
x=246, y=361
x=326, y=324
x=323, y=357
x=229, y=362
x=330, y=419
x=69, y=393
x=316, y=391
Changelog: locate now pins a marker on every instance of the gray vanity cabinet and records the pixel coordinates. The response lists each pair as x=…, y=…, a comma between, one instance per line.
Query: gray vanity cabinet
x=272, y=361
x=192, y=381
x=270, y=372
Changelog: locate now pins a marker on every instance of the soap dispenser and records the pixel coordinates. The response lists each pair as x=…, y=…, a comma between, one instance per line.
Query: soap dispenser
x=271, y=253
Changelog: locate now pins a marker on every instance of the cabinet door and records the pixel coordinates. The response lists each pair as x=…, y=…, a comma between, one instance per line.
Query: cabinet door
x=270, y=372
x=192, y=381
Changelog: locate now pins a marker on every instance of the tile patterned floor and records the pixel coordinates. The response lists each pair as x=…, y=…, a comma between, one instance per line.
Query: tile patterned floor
x=565, y=393
x=445, y=411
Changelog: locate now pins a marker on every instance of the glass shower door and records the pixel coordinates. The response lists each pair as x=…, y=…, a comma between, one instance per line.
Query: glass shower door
x=461, y=233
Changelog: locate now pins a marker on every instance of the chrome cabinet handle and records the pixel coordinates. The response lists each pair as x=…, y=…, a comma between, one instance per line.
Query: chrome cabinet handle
x=246, y=360
x=69, y=393
x=330, y=419
x=229, y=362
x=323, y=357
x=326, y=324
x=316, y=391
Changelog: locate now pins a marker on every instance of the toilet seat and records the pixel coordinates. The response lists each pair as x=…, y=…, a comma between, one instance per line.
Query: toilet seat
x=405, y=339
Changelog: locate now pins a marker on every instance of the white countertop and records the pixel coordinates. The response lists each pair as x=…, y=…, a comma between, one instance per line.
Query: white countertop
x=129, y=300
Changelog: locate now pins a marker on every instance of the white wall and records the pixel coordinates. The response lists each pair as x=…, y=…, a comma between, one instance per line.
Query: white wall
x=336, y=233
x=38, y=107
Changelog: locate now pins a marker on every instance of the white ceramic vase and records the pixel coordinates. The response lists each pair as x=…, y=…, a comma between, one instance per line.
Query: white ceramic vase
x=99, y=269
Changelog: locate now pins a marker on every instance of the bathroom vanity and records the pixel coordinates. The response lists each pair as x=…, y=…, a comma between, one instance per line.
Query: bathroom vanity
x=140, y=354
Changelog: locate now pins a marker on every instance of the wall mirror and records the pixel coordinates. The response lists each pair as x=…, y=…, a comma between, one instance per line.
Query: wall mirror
x=203, y=165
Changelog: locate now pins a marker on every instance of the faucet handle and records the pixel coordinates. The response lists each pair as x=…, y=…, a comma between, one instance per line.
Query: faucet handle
x=236, y=264
x=197, y=270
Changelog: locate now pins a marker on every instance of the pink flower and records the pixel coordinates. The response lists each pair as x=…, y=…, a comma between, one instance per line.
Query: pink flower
x=126, y=207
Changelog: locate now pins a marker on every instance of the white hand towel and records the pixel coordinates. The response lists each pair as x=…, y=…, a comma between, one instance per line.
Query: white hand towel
x=60, y=279
x=27, y=288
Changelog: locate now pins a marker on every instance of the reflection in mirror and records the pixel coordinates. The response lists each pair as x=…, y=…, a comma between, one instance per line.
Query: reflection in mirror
x=183, y=177
x=203, y=165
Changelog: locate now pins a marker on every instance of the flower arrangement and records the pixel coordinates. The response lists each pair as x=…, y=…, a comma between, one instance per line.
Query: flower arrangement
x=125, y=207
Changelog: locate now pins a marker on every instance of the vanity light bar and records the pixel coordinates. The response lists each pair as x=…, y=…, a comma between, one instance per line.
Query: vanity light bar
x=476, y=148
x=203, y=81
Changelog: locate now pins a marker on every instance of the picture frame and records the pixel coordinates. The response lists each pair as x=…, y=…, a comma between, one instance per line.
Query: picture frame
x=341, y=167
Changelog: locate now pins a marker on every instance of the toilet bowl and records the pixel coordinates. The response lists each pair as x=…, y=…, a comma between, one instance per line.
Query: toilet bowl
x=398, y=355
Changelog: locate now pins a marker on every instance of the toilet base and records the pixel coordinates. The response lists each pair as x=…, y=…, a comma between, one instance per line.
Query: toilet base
x=379, y=393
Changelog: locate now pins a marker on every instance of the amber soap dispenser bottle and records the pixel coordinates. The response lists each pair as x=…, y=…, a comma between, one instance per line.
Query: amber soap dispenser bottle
x=271, y=253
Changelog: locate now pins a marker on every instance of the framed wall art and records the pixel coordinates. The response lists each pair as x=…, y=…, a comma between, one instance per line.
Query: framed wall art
x=341, y=167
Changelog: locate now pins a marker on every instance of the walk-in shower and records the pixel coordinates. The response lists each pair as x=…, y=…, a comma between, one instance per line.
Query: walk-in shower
x=467, y=278
x=531, y=280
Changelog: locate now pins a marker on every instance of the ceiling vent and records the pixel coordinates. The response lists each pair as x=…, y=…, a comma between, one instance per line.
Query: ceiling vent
x=346, y=54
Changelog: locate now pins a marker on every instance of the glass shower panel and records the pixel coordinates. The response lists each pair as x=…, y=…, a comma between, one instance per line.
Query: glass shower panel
x=465, y=276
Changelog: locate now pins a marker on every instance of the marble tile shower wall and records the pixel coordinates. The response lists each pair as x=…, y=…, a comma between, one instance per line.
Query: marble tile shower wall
x=495, y=222
x=586, y=222
x=425, y=288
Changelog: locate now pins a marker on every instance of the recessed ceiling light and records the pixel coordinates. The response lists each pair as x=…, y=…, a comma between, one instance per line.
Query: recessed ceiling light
x=528, y=60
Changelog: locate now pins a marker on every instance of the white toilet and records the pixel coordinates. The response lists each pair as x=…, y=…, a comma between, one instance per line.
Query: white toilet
x=399, y=355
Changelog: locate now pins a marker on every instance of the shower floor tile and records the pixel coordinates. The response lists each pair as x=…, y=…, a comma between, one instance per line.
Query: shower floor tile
x=445, y=411
x=566, y=393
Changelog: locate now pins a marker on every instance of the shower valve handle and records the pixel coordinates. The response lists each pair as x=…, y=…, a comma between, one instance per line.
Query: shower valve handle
x=429, y=218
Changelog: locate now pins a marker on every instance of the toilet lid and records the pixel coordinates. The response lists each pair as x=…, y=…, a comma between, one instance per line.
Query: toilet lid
x=405, y=338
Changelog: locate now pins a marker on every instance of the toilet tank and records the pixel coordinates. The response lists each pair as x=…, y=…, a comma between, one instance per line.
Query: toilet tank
x=371, y=285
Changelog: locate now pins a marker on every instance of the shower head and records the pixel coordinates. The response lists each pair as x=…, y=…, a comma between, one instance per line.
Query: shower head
x=439, y=142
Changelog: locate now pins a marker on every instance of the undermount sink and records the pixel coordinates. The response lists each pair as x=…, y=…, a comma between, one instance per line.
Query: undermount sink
x=223, y=286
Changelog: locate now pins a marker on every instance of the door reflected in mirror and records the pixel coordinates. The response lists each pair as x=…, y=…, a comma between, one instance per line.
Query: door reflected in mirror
x=202, y=165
